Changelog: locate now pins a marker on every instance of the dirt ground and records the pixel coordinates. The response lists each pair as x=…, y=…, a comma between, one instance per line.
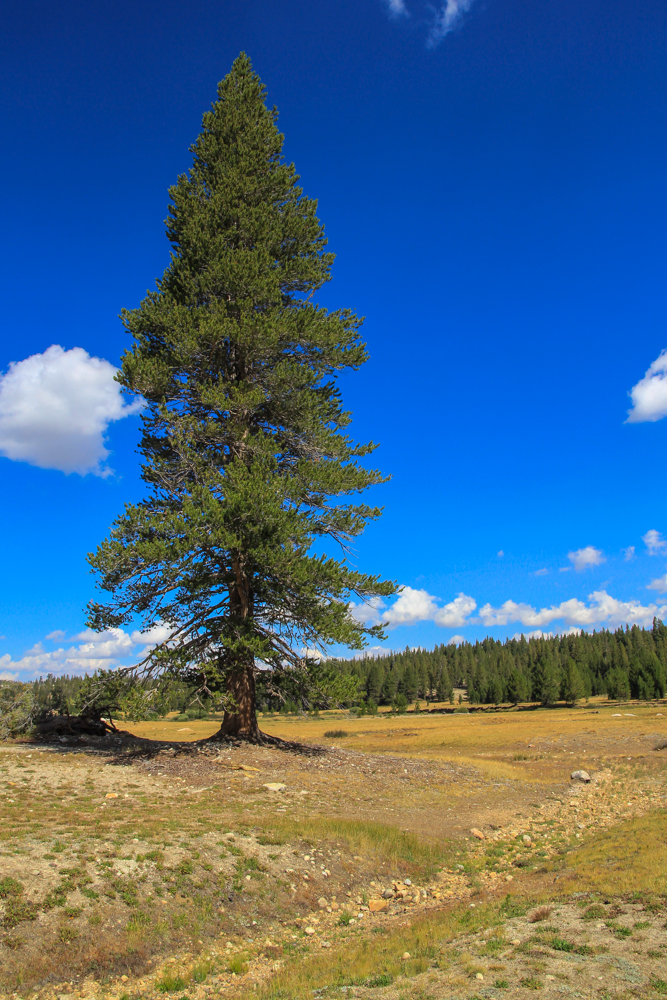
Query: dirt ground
x=427, y=856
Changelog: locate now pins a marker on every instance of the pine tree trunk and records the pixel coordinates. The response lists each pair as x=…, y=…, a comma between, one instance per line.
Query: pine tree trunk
x=241, y=721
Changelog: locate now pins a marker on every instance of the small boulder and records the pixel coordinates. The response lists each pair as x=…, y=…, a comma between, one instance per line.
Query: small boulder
x=275, y=786
x=527, y=840
x=377, y=905
x=388, y=894
x=322, y=903
x=580, y=776
x=477, y=833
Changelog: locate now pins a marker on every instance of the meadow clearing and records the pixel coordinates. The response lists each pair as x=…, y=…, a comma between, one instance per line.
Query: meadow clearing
x=154, y=864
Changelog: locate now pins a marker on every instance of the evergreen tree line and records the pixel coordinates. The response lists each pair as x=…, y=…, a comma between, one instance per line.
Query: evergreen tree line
x=627, y=663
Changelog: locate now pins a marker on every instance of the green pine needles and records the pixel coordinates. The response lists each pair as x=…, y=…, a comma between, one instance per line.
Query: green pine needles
x=243, y=436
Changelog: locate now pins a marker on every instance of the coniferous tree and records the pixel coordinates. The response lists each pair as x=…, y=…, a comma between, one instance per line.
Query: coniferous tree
x=244, y=444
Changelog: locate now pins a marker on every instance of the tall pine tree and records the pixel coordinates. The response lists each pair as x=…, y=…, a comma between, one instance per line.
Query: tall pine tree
x=243, y=438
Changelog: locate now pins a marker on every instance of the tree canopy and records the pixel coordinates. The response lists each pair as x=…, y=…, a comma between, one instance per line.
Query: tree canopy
x=244, y=443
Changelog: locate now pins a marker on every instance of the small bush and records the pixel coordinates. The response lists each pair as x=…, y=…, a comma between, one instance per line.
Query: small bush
x=336, y=734
x=531, y=983
x=344, y=919
x=542, y=913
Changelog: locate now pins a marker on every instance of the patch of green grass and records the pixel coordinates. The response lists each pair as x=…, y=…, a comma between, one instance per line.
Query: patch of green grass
x=659, y=985
x=344, y=919
x=67, y=934
x=170, y=982
x=594, y=912
x=531, y=983
x=641, y=925
x=336, y=734
x=560, y=944
x=238, y=965
x=501, y=984
x=9, y=887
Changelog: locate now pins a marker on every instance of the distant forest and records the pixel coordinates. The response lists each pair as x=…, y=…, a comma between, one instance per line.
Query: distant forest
x=627, y=663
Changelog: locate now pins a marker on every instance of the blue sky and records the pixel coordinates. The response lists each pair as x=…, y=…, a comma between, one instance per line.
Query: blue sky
x=491, y=177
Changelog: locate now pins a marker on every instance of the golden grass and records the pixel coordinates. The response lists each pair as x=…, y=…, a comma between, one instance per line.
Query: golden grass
x=509, y=743
x=366, y=839
x=629, y=857
x=377, y=960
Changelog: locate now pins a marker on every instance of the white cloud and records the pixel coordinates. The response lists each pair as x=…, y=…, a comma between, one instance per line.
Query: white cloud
x=536, y=634
x=412, y=606
x=456, y=640
x=368, y=612
x=649, y=396
x=454, y=614
x=155, y=635
x=654, y=542
x=397, y=8
x=583, y=558
x=55, y=408
x=629, y=553
x=660, y=584
x=447, y=19
x=603, y=610
x=500, y=553
x=541, y=572
x=88, y=651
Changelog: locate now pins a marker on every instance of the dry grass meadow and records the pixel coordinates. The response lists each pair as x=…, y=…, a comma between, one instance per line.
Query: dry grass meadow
x=155, y=865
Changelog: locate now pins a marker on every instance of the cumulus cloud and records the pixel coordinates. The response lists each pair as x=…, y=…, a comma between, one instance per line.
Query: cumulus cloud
x=629, y=553
x=660, y=584
x=454, y=614
x=602, y=610
x=447, y=19
x=649, y=396
x=412, y=606
x=456, y=640
x=654, y=542
x=83, y=654
x=584, y=558
x=55, y=408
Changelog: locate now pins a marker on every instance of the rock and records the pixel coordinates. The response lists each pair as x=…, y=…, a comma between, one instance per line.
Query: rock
x=580, y=776
x=407, y=882
x=526, y=839
x=388, y=894
x=334, y=904
x=123, y=979
x=377, y=905
x=111, y=795
x=275, y=786
x=479, y=976
x=477, y=833
x=509, y=878
x=309, y=931
x=515, y=941
x=322, y=903
x=405, y=955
